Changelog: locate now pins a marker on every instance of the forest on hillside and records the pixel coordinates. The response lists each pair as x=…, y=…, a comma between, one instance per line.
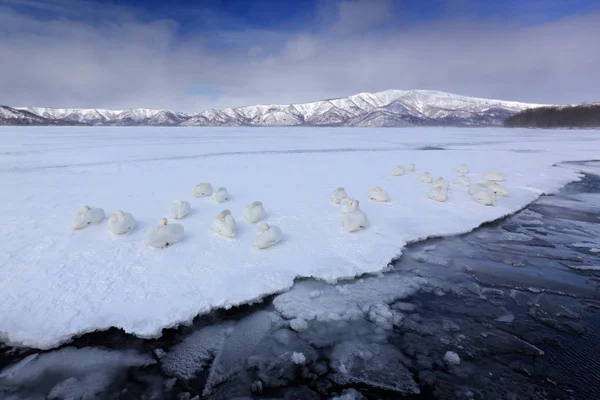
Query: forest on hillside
x=581, y=116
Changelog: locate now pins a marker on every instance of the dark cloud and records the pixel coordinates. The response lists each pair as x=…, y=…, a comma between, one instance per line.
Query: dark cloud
x=128, y=61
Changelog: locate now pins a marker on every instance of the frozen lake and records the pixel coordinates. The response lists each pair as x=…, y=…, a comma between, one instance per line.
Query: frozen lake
x=56, y=283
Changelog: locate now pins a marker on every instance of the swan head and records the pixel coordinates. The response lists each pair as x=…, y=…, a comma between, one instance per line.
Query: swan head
x=86, y=208
x=163, y=222
x=340, y=189
x=256, y=204
x=265, y=227
x=119, y=213
x=220, y=189
x=224, y=213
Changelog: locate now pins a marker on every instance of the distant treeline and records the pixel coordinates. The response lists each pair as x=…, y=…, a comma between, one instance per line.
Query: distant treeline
x=582, y=116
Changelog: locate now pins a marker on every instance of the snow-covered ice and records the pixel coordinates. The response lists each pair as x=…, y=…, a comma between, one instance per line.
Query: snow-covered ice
x=56, y=283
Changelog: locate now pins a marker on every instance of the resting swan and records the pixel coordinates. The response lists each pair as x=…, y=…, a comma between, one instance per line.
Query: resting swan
x=267, y=236
x=179, y=209
x=493, y=176
x=476, y=188
x=497, y=188
x=120, y=222
x=410, y=167
x=165, y=235
x=338, y=195
x=220, y=195
x=398, y=170
x=254, y=212
x=354, y=219
x=426, y=178
x=438, y=193
x=484, y=197
x=378, y=194
x=462, y=169
x=463, y=180
x=202, y=190
x=87, y=216
x=224, y=224
x=441, y=182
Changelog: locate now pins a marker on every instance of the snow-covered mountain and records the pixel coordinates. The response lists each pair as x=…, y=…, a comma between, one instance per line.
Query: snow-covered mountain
x=388, y=108
x=13, y=116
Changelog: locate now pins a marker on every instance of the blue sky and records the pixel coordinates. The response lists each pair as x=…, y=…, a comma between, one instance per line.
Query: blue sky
x=193, y=55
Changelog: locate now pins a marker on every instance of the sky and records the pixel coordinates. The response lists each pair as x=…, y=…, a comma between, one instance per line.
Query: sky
x=195, y=55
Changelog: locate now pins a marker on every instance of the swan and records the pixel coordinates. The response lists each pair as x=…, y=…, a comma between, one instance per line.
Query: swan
x=267, y=236
x=441, y=182
x=476, y=188
x=354, y=220
x=493, y=176
x=398, y=170
x=410, y=167
x=338, y=195
x=346, y=205
x=378, y=194
x=497, y=188
x=426, y=178
x=87, y=216
x=224, y=224
x=202, y=190
x=484, y=197
x=463, y=180
x=179, y=209
x=462, y=169
x=165, y=235
x=220, y=195
x=254, y=212
x=438, y=193
x=120, y=222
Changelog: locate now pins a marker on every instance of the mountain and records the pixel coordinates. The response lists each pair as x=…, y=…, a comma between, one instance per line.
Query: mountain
x=391, y=108
x=13, y=116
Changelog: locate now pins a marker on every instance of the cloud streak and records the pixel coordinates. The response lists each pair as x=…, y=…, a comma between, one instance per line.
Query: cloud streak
x=131, y=60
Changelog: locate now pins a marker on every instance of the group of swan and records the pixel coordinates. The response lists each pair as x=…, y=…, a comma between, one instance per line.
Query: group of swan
x=167, y=234
x=482, y=193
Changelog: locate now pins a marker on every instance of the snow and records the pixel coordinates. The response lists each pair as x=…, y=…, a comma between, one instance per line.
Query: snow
x=56, y=283
x=298, y=358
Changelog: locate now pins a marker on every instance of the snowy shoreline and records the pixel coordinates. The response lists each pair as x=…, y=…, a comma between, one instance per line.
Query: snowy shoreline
x=56, y=284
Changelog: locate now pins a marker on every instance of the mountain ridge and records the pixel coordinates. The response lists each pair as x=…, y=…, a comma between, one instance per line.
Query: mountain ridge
x=389, y=108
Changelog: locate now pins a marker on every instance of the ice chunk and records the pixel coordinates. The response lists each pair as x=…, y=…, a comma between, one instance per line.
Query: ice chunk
x=451, y=358
x=372, y=364
x=298, y=358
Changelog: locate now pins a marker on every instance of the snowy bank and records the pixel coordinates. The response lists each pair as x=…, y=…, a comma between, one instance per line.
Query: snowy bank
x=56, y=283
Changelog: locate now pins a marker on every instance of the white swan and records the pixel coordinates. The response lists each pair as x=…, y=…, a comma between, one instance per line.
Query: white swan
x=426, y=178
x=462, y=169
x=120, y=222
x=87, y=216
x=410, y=167
x=378, y=194
x=202, y=190
x=346, y=205
x=224, y=224
x=497, y=189
x=267, y=236
x=484, y=197
x=398, y=170
x=220, y=195
x=441, y=182
x=476, y=188
x=438, y=193
x=165, y=234
x=493, y=176
x=463, y=180
x=254, y=212
x=179, y=209
x=338, y=195
x=354, y=220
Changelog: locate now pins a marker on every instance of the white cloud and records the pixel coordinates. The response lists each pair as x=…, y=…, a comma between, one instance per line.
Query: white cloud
x=134, y=62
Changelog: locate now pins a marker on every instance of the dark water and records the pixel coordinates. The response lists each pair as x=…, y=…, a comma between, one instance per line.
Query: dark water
x=510, y=299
